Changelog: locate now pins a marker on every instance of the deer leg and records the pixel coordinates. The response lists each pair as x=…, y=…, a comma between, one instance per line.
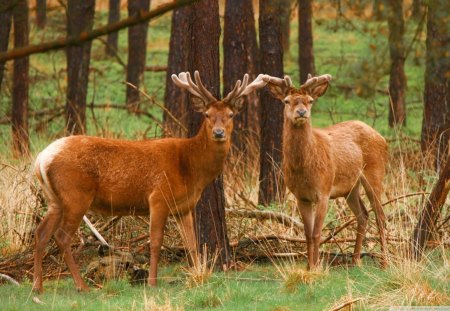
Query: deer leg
x=44, y=232
x=186, y=227
x=373, y=190
x=63, y=237
x=357, y=206
x=307, y=212
x=321, y=211
x=158, y=217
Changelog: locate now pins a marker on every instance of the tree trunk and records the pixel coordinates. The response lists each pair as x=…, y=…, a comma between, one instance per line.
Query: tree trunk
x=436, y=118
x=112, y=40
x=240, y=57
x=80, y=18
x=429, y=216
x=41, y=13
x=285, y=17
x=397, y=79
x=417, y=9
x=271, y=108
x=19, y=113
x=137, y=50
x=175, y=99
x=378, y=9
x=204, y=57
x=305, y=40
x=5, y=28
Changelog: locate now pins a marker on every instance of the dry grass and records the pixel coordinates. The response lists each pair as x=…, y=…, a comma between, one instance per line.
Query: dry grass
x=202, y=268
x=150, y=304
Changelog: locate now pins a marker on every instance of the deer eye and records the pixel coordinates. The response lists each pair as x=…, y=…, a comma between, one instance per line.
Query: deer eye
x=206, y=115
x=231, y=115
x=286, y=101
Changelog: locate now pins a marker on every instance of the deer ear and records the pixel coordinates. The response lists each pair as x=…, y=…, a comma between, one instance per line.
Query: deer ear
x=237, y=104
x=277, y=91
x=319, y=90
x=198, y=104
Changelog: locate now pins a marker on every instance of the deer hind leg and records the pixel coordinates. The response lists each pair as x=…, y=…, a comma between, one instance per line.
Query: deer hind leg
x=373, y=187
x=71, y=220
x=159, y=212
x=43, y=234
x=357, y=206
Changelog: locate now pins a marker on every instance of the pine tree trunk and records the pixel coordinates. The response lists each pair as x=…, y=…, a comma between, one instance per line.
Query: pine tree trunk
x=426, y=224
x=80, y=18
x=5, y=29
x=41, y=13
x=436, y=117
x=285, y=17
x=397, y=79
x=175, y=99
x=271, y=109
x=305, y=40
x=112, y=41
x=417, y=9
x=19, y=113
x=204, y=57
x=137, y=51
x=240, y=57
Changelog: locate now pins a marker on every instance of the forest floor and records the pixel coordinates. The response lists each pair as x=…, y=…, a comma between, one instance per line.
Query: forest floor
x=355, y=52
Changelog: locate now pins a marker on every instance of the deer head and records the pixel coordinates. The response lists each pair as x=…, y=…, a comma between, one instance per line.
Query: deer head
x=218, y=113
x=298, y=101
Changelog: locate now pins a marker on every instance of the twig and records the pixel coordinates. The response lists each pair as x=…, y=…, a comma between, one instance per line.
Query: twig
x=156, y=68
x=345, y=304
x=95, y=231
x=9, y=279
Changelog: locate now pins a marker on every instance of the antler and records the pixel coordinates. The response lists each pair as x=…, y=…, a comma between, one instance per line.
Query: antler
x=184, y=81
x=285, y=83
x=314, y=81
x=242, y=89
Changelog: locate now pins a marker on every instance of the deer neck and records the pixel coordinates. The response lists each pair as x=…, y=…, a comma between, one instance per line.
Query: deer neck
x=298, y=142
x=207, y=156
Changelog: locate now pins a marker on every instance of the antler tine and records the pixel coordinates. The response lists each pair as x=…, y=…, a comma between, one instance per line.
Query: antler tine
x=284, y=83
x=206, y=94
x=182, y=82
x=311, y=81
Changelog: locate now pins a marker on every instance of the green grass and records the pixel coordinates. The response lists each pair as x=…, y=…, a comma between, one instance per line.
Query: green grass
x=259, y=288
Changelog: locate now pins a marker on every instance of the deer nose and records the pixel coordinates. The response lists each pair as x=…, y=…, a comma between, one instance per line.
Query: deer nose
x=219, y=133
x=301, y=112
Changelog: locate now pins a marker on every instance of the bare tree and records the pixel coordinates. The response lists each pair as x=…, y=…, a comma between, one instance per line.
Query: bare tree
x=5, y=28
x=112, y=41
x=397, y=78
x=204, y=57
x=19, y=113
x=137, y=51
x=271, y=110
x=240, y=56
x=175, y=99
x=80, y=19
x=41, y=13
x=436, y=117
x=305, y=40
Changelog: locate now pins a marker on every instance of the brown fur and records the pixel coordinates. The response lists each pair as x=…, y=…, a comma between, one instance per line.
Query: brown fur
x=323, y=164
x=159, y=177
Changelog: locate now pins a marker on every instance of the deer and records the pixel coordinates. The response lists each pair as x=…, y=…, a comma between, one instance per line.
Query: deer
x=158, y=177
x=323, y=164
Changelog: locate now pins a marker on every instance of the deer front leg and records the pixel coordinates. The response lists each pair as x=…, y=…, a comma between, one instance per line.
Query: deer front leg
x=307, y=212
x=158, y=217
x=321, y=211
x=187, y=231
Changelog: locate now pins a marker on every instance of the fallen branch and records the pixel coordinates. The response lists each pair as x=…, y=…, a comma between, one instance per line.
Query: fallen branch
x=9, y=279
x=156, y=68
x=345, y=304
x=95, y=232
x=141, y=17
x=267, y=215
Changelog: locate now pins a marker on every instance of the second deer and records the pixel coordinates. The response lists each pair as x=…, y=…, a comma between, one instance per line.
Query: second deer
x=323, y=164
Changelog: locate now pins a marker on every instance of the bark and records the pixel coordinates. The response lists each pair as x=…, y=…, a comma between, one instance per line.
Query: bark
x=112, y=41
x=137, y=51
x=5, y=28
x=271, y=108
x=204, y=57
x=240, y=57
x=175, y=99
x=41, y=13
x=378, y=9
x=417, y=9
x=80, y=19
x=285, y=17
x=436, y=118
x=397, y=78
x=429, y=216
x=305, y=40
x=19, y=113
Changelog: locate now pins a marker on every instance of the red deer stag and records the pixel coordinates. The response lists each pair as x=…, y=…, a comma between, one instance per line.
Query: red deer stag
x=323, y=164
x=158, y=177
